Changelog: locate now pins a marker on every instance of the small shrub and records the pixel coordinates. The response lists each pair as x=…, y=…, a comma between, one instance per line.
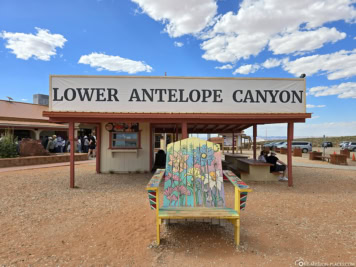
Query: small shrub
x=8, y=146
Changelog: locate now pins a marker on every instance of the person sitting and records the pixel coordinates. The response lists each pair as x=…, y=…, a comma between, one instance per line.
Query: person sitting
x=278, y=166
x=263, y=156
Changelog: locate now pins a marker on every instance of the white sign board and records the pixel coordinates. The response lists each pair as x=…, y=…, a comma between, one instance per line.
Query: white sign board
x=176, y=95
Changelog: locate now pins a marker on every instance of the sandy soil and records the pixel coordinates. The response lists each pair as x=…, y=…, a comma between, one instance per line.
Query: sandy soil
x=107, y=221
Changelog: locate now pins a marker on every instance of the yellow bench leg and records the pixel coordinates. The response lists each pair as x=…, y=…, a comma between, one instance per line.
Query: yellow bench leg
x=237, y=232
x=158, y=222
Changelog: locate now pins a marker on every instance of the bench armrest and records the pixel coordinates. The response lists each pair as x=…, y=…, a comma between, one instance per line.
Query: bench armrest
x=237, y=182
x=155, y=180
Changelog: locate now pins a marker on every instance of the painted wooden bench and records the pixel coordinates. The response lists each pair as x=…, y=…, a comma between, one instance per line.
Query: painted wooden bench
x=194, y=187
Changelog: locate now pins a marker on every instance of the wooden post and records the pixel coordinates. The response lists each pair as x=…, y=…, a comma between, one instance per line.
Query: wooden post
x=98, y=146
x=176, y=133
x=184, y=130
x=233, y=143
x=72, y=150
x=254, y=141
x=151, y=147
x=289, y=155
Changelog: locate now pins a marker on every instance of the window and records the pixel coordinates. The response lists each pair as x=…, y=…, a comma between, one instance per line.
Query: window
x=158, y=140
x=125, y=140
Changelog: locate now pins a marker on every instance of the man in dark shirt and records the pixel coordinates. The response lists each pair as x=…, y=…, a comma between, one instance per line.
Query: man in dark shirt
x=278, y=166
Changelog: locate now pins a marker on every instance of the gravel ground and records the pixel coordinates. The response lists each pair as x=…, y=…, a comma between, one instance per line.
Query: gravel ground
x=107, y=221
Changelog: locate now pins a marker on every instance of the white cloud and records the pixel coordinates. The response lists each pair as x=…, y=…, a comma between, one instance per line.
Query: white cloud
x=114, y=63
x=301, y=41
x=40, y=46
x=271, y=63
x=314, y=117
x=343, y=90
x=246, y=69
x=341, y=64
x=24, y=100
x=224, y=67
x=178, y=44
x=308, y=129
x=180, y=17
x=315, y=106
x=257, y=23
x=230, y=48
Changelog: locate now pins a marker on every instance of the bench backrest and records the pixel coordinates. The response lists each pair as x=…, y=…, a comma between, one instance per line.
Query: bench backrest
x=193, y=176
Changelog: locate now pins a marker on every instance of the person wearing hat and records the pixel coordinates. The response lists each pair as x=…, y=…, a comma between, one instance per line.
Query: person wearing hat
x=278, y=166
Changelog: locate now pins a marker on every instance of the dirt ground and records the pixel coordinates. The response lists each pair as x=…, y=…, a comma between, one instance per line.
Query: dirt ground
x=107, y=221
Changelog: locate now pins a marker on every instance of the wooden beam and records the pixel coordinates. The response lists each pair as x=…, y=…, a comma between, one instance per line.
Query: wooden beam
x=233, y=143
x=254, y=141
x=151, y=147
x=225, y=128
x=194, y=128
x=289, y=155
x=98, y=147
x=202, y=120
x=215, y=128
x=204, y=128
x=176, y=132
x=72, y=158
x=184, y=130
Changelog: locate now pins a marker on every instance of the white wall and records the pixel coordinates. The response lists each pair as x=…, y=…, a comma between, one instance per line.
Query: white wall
x=124, y=162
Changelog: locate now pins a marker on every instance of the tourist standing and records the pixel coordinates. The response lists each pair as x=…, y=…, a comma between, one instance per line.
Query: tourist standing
x=92, y=145
x=86, y=144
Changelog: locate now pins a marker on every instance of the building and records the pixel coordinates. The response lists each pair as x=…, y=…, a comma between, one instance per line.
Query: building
x=26, y=120
x=131, y=114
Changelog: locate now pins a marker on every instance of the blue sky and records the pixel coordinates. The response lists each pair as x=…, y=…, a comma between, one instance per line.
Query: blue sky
x=265, y=38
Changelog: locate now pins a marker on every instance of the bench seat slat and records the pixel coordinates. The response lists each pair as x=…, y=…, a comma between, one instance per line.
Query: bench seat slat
x=197, y=212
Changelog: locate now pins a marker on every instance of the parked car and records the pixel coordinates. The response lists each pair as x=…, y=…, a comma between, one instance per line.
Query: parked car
x=352, y=146
x=343, y=142
x=268, y=145
x=304, y=145
x=345, y=145
x=327, y=144
x=281, y=144
x=276, y=144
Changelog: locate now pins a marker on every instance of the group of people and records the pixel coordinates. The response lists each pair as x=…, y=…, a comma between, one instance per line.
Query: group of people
x=57, y=144
x=278, y=165
x=87, y=144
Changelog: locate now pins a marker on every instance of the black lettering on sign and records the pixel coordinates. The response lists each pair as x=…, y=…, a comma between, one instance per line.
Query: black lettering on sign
x=299, y=97
x=273, y=95
x=84, y=95
x=147, y=94
x=172, y=95
x=160, y=91
x=197, y=95
x=181, y=92
x=55, y=96
x=112, y=93
x=284, y=96
x=70, y=97
x=217, y=96
x=100, y=95
x=134, y=95
x=260, y=95
x=206, y=94
x=234, y=96
x=249, y=97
